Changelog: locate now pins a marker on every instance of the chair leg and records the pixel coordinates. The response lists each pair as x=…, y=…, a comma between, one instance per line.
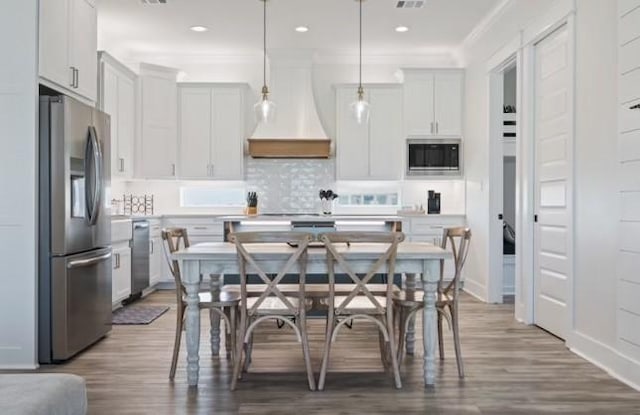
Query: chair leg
x=440, y=338
x=456, y=339
x=327, y=350
x=238, y=354
x=227, y=333
x=382, y=343
x=402, y=334
x=302, y=326
x=248, y=348
x=393, y=351
x=233, y=310
x=176, y=343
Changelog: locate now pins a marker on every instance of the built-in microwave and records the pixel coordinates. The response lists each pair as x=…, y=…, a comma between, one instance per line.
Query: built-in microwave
x=434, y=157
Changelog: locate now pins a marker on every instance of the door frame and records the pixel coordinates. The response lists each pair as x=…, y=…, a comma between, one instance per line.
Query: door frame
x=523, y=48
x=496, y=172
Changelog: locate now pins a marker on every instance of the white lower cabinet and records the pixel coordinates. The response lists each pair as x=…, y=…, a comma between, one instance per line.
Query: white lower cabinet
x=121, y=274
x=156, y=255
x=430, y=229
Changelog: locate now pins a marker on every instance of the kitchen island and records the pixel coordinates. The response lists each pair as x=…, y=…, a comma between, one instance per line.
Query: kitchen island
x=313, y=223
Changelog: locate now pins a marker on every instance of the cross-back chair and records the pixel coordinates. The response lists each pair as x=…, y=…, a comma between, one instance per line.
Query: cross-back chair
x=360, y=302
x=272, y=303
x=410, y=302
x=225, y=305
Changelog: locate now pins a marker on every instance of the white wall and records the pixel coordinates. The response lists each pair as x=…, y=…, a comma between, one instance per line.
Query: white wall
x=596, y=155
x=18, y=135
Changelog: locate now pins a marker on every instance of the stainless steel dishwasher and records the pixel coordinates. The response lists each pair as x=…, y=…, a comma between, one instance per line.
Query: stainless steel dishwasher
x=140, y=257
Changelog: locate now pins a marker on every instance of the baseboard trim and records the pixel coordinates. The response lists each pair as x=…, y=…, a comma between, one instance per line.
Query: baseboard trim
x=475, y=289
x=617, y=365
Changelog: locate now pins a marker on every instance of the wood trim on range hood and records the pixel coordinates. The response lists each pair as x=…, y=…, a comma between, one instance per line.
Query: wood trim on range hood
x=289, y=148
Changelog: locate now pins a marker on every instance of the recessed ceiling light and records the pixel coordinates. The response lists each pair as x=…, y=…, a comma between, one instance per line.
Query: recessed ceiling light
x=302, y=29
x=198, y=28
x=402, y=29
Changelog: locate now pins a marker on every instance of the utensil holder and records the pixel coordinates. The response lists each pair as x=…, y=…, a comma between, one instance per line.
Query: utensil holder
x=252, y=210
x=327, y=206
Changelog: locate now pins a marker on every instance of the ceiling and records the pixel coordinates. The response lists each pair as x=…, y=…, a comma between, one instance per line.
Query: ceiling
x=129, y=27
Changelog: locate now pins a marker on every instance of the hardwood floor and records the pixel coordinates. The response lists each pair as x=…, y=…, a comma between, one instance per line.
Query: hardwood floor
x=511, y=369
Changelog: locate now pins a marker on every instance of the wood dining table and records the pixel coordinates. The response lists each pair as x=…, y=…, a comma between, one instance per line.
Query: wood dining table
x=217, y=259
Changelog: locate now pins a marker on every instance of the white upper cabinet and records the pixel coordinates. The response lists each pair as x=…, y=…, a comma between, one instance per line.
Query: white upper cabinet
x=212, y=131
x=117, y=98
x=68, y=42
x=448, y=104
x=370, y=151
x=385, y=134
x=419, y=111
x=433, y=103
x=158, y=144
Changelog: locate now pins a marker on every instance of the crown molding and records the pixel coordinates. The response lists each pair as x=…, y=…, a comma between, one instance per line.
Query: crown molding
x=485, y=24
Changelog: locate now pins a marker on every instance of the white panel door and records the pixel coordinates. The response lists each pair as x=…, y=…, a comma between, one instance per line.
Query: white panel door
x=448, y=104
x=385, y=134
x=419, y=105
x=83, y=47
x=227, y=148
x=54, y=42
x=352, y=139
x=195, y=132
x=126, y=125
x=553, y=181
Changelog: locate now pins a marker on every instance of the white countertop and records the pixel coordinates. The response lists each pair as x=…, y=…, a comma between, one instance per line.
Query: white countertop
x=296, y=217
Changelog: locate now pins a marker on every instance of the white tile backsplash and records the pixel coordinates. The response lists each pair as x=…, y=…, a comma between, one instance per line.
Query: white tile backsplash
x=285, y=185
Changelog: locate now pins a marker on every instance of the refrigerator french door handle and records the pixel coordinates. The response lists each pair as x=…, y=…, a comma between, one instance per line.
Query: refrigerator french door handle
x=89, y=261
x=89, y=159
x=97, y=165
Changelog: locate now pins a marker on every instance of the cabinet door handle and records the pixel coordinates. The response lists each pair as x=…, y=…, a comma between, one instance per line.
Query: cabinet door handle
x=200, y=228
x=173, y=169
x=432, y=127
x=117, y=264
x=121, y=169
x=151, y=247
x=211, y=169
x=72, y=82
x=77, y=77
x=437, y=127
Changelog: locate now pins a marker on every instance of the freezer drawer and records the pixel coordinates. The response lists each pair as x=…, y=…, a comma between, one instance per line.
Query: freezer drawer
x=81, y=301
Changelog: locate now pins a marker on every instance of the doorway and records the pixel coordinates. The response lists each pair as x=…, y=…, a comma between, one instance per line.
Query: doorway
x=503, y=139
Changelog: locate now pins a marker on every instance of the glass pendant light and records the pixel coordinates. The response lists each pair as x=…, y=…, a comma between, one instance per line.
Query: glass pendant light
x=265, y=109
x=360, y=107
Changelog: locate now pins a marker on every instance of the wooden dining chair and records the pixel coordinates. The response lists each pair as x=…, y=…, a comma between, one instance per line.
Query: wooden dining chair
x=225, y=306
x=410, y=302
x=360, y=302
x=272, y=303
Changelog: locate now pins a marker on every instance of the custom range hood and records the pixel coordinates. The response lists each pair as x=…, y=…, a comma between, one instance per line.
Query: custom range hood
x=296, y=131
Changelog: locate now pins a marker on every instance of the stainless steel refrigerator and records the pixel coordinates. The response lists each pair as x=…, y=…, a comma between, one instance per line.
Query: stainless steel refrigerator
x=75, y=228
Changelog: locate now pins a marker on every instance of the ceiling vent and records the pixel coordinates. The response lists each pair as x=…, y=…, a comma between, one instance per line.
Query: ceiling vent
x=154, y=1
x=410, y=4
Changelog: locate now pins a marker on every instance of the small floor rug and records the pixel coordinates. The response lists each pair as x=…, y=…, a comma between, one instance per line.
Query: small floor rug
x=138, y=314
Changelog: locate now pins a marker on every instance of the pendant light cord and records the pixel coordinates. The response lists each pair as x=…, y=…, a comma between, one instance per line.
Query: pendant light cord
x=264, y=44
x=360, y=64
